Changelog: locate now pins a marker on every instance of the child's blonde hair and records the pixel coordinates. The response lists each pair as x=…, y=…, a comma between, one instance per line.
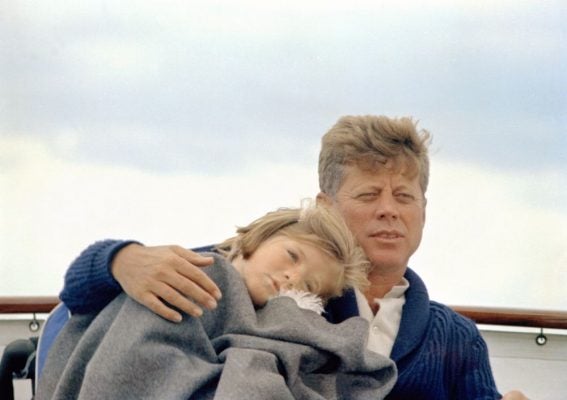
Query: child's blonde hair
x=316, y=225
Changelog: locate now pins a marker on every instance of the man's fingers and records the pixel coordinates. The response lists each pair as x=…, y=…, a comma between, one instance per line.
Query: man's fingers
x=191, y=289
x=174, y=298
x=193, y=273
x=198, y=277
x=166, y=277
x=161, y=303
x=157, y=306
x=192, y=257
x=514, y=395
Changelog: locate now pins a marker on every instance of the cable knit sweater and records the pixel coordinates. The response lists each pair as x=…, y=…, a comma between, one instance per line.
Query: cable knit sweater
x=439, y=353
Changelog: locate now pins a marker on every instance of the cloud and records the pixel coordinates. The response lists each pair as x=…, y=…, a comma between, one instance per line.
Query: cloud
x=53, y=208
x=487, y=79
x=491, y=238
x=176, y=122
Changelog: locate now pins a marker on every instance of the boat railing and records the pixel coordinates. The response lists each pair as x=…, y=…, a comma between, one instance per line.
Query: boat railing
x=548, y=319
x=27, y=304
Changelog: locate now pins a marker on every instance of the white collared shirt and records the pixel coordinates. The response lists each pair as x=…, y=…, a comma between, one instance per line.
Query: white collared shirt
x=384, y=326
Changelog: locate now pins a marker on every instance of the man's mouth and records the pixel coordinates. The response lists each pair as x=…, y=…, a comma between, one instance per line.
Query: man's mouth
x=387, y=234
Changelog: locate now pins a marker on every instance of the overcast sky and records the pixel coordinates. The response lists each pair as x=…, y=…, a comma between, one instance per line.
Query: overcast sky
x=173, y=122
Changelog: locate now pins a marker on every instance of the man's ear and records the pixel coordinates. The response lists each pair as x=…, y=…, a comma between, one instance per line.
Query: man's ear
x=323, y=199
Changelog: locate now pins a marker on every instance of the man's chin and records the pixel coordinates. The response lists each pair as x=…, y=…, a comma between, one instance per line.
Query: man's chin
x=387, y=264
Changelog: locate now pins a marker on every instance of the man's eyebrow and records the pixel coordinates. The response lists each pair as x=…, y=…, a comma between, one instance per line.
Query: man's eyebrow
x=403, y=185
x=370, y=186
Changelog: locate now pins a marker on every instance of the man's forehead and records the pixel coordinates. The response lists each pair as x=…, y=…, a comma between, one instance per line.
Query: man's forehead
x=390, y=170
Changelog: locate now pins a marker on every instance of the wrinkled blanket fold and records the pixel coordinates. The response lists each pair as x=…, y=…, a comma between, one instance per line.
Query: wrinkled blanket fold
x=233, y=352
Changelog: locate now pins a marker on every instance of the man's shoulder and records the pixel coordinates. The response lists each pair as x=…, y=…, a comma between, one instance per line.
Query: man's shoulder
x=443, y=315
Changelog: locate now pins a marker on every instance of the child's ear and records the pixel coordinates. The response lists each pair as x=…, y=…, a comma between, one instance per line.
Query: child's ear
x=323, y=199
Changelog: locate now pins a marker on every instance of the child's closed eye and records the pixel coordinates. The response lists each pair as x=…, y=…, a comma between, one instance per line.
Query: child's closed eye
x=293, y=255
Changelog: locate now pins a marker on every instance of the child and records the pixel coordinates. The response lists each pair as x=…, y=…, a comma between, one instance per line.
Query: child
x=307, y=250
x=254, y=345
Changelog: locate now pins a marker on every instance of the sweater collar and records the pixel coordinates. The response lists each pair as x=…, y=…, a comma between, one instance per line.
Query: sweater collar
x=340, y=308
x=415, y=317
x=415, y=314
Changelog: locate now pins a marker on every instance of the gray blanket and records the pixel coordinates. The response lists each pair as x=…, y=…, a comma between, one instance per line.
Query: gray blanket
x=234, y=352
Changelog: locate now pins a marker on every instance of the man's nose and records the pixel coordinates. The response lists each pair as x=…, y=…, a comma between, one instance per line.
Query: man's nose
x=386, y=207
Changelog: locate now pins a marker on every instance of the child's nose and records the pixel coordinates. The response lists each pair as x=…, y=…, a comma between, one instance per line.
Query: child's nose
x=293, y=279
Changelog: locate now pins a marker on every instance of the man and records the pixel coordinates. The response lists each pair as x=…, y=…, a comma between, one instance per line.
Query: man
x=374, y=171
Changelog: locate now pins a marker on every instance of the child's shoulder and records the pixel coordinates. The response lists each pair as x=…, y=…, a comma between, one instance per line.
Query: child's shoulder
x=221, y=270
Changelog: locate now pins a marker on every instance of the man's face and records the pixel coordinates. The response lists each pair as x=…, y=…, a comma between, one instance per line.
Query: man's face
x=385, y=210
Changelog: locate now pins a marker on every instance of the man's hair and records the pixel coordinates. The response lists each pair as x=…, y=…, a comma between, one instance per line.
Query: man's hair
x=369, y=142
x=317, y=225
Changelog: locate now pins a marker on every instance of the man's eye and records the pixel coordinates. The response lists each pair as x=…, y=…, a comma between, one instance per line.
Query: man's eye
x=367, y=196
x=406, y=197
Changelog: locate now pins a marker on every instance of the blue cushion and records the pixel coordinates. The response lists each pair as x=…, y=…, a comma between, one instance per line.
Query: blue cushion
x=55, y=322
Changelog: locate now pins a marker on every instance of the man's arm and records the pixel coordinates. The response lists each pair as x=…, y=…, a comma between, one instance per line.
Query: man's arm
x=89, y=285
x=477, y=379
x=160, y=277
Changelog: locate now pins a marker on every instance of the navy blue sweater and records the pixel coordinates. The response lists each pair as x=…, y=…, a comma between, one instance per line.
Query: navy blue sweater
x=439, y=353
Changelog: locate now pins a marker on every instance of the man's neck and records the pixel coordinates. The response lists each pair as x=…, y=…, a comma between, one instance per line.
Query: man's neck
x=380, y=284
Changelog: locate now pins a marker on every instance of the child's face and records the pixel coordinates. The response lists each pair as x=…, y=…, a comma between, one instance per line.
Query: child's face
x=283, y=262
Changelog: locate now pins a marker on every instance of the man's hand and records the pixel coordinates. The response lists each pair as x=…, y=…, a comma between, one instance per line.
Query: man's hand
x=514, y=395
x=172, y=274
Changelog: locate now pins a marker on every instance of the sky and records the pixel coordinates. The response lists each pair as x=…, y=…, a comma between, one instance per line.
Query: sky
x=175, y=122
